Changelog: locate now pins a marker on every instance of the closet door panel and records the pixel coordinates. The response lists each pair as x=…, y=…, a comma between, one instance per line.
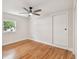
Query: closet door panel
x=60, y=30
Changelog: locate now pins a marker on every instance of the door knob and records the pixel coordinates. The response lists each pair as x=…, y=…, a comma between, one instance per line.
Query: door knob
x=65, y=29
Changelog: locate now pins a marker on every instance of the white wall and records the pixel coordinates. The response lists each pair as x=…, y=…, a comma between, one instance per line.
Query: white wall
x=75, y=30
x=22, y=30
x=41, y=29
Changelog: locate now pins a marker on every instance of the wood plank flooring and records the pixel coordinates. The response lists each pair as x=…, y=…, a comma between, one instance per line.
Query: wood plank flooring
x=28, y=49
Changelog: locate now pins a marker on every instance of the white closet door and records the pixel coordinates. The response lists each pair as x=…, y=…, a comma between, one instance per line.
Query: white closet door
x=60, y=30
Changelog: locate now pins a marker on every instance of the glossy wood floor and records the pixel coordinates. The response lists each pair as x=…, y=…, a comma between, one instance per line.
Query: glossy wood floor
x=29, y=49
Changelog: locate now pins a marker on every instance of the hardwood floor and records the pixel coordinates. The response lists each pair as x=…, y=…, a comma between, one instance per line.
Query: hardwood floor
x=29, y=49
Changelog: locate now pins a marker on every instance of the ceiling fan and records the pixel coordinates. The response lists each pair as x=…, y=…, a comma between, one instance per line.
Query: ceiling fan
x=31, y=12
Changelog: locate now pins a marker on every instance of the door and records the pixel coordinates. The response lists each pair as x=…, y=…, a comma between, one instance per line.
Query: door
x=60, y=30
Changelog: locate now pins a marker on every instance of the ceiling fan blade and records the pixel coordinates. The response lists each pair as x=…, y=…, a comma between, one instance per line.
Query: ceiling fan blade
x=38, y=10
x=23, y=13
x=36, y=14
x=25, y=9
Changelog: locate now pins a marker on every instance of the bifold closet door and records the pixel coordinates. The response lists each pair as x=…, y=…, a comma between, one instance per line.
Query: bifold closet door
x=60, y=30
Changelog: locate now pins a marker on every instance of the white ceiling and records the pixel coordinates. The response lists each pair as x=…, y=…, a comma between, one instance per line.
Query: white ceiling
x=47, y=6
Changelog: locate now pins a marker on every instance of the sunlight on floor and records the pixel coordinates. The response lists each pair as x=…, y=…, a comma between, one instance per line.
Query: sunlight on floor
x=9, y=55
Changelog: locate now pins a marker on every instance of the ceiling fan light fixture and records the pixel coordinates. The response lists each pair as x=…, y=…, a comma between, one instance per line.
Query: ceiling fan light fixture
x=30, y=14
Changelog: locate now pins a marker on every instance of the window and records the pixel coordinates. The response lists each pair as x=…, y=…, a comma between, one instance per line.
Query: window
x=9, y=26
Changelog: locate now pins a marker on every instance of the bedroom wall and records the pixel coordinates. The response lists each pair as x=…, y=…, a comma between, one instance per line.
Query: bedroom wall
x=22, y=30
x=41, y=29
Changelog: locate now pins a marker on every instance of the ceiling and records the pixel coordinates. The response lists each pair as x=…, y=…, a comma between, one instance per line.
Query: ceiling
x=47, y=6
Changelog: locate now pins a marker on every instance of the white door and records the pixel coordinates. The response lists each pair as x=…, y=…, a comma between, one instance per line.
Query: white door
x=60, y=30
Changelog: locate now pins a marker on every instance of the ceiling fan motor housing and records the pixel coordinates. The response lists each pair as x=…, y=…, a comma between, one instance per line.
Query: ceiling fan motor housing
x=31, y=9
